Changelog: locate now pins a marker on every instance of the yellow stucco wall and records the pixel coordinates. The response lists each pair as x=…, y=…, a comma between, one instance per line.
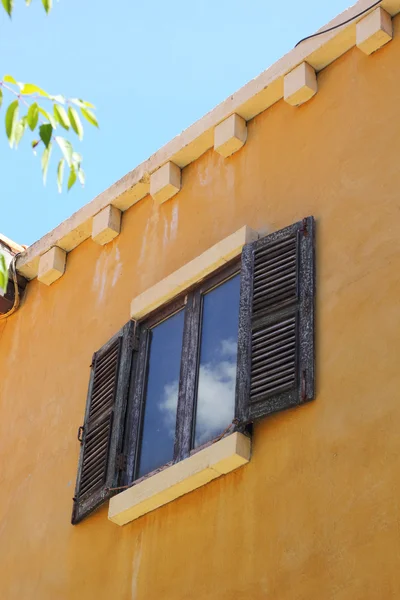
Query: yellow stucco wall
x=315, y=515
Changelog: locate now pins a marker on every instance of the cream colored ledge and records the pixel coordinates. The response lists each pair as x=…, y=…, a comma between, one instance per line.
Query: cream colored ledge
x=192, y=272
x=220, y=458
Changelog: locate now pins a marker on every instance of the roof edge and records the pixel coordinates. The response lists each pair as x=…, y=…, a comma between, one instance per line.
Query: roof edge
x=249, y=101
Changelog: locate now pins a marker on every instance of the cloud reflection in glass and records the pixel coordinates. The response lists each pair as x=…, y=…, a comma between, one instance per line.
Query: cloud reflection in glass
x=215, y=406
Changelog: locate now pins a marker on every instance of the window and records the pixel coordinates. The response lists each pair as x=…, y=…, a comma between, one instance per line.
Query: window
x=235, y=348
x=183, y=395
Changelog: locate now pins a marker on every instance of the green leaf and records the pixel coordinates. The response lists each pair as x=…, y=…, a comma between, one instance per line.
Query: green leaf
x=89, y=116
x=48, y=116
x=9, y=78
x=45, y=162
x=8, y=7
x=1, y=97
x=87, y=104
x=27, y=2
x=61, y=116
x=3, y=275
x=66, y=149
x=71, y=178
x=60, y=174
x=75, y=122
x=31, y=88
x=20, y=127
x=47, y=5
x=35, y=143
x=81, y=176
x=45, y=132
x=11, y=119
x=33, y=116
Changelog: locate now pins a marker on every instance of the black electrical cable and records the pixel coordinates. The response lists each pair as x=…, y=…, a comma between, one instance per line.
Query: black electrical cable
x=309, y=37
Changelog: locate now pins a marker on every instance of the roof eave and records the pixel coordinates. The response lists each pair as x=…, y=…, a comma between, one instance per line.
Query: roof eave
x=249, y=101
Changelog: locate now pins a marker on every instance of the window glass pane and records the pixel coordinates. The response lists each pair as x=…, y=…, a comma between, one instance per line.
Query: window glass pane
x=161, y=397
x=217, y=371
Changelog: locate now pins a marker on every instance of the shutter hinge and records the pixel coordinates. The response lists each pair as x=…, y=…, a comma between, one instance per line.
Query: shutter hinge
x=122, y=462
x=81, y=431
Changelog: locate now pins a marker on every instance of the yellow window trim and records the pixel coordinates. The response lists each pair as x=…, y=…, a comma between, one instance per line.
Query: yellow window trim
x=222, y=457
x=192, y=272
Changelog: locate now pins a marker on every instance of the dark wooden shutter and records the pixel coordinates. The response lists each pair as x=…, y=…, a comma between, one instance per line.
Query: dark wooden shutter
x=276, y=322
x=102, y=433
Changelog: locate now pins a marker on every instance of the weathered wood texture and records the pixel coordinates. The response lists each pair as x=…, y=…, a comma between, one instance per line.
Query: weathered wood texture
x=98, y=468
x=276, y=322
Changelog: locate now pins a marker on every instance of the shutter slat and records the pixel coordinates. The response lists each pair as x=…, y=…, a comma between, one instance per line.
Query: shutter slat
x=105, y=380
x=277, y=266
x=274, y=249
x=95, y=453
x=104, y=377
x=103, y=429
x=280, y=386
x=274, y=328
x=271, y=349
x=266, y=303
x=104, y=398
x=275, y=368
x=273, y=358
x=91, y=462
x=95, y=442
x=263, y=380
x=280, y=334
x=109, y=362
x=260, y=362
x=275, y=280
x=275, y=275
x=95, y=485
x=106, y=394
x=269, y=293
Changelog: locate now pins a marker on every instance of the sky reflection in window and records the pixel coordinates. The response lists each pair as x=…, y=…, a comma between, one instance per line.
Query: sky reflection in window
x=161, y=398
x=217, y=371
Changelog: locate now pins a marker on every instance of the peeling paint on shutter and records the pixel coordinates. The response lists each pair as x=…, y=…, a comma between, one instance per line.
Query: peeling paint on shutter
x=276, y=322
x=102, y=432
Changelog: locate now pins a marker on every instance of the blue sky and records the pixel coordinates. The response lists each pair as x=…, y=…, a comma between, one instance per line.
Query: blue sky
x=151, y=68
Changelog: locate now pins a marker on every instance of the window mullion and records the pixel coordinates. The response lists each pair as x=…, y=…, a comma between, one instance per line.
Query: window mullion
x=188, y=377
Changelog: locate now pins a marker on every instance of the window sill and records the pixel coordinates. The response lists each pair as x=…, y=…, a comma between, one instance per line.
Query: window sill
x=220, y=458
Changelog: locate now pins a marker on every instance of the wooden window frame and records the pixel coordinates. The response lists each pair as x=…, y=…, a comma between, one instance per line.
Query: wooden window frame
x=191, y=302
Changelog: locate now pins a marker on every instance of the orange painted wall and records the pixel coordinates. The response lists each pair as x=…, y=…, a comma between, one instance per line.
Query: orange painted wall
x=315, y=515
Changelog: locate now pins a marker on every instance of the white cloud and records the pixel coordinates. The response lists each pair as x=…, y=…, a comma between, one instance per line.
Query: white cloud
x=216, y=395
x=168, y=406
x=229, y=348
x=216, y=399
